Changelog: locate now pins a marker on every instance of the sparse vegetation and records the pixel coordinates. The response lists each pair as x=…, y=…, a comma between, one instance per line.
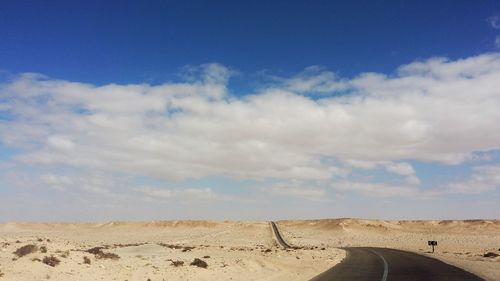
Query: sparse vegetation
x=184, y=248
x=86, y=260
x=25, y=250
x=110, y=256
x=43, y=249
x=95, y=250
x=199, y=263
x=187, y=249
x=177, y=263
x=491, y=255
x=63, y=254
x=100, y=254
x=51, y=261
x=170, y=246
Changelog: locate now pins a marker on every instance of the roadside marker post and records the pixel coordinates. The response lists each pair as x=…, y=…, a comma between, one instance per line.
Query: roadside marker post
x=432, y=243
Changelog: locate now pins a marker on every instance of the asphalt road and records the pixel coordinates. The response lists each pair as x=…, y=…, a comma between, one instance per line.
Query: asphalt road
x=392, y=265
x=279, y=237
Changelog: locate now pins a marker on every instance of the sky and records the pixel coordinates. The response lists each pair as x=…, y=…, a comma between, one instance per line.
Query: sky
x=249, y=110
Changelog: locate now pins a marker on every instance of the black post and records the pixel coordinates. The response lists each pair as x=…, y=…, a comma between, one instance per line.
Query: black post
x=432, y=248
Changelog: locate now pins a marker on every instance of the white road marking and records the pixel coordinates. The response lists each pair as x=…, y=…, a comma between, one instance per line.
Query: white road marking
x=386, y=266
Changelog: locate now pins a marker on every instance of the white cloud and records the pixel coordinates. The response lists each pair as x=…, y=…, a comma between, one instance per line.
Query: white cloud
x=494, y=22
x=56, y=182
x=297, y=190
x=435, y=110
x=185, y=194
x=313, y=79
x=401, y=168
x=376, y=190
x=59, y=143
x=484, y=178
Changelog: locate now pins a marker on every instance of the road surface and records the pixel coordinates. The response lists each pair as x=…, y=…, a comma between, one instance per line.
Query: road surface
x=363, y=264
x=280, y=239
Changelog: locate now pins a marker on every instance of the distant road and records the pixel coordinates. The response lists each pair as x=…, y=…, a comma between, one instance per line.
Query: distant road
x=363, y=264
x=280, y=239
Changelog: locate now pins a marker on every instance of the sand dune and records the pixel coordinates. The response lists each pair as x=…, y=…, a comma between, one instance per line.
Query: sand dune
x=148, y=250
x=232, y=250
x=460, y=242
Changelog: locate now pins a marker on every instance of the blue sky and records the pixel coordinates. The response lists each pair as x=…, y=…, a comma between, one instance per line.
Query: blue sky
x=131, y=41
x=249, y=109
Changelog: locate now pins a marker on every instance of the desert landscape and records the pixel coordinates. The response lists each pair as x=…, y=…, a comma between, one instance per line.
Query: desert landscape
x=156, y=251
x=226, y=250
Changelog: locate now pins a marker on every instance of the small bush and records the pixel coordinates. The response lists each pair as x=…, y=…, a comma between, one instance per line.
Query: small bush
x=86, y=260
x=43, y=249
x=95, y=250
x=51, y=261
x=491, y=255
x=177, y=263
x=110, y=256
x=187, y=249
x=199, y=263
x=99, y=254
x=25, y=250
x=170, y=246
x=64, y=254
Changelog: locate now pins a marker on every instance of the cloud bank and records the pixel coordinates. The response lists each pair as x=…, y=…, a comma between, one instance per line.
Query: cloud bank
x=311, y=127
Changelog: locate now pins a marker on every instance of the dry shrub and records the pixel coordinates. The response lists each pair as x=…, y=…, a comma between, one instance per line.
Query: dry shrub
x=491, y=255
x=86, y=260
x=199, y=263
x=64, y=254
x=43, y=249
x=187, y=249
x=110, y=256
x=95, y=250
x=177, y=263
x=99, y=254
x=170, y=246
x=25, y=250
x=52, y=261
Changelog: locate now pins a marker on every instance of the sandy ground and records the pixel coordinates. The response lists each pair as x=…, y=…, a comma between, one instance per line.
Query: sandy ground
x=460, y=243
x=232, y=250
x=147, y=250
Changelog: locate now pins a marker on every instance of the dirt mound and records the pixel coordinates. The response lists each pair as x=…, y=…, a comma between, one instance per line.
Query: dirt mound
x=449, y=226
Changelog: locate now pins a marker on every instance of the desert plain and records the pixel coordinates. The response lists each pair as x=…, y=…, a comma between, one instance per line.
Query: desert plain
x=230, y=250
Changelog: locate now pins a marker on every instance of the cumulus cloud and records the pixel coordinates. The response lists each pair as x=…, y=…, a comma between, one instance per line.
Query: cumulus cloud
x=484, y=178
x=432, y=111
x=494, y=22
x=313, y=79
x=153, y=193
x=376, y=189
x=298, y=190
